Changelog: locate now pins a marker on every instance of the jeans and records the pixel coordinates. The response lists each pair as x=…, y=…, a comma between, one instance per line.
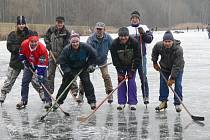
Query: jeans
x=164, y=89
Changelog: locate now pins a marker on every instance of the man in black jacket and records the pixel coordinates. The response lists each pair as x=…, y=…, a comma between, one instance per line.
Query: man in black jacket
x=14, y=40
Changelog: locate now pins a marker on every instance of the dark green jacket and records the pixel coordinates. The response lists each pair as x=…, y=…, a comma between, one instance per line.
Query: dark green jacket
x=172, y=59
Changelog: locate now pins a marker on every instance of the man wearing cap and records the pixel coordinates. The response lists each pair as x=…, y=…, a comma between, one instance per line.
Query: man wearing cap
x=125, y=57
x=77, y=56
x=101, y=42
x=171, y=65
x=55, y=39
x=144, y=36
x=34, y=56
x=14, y=40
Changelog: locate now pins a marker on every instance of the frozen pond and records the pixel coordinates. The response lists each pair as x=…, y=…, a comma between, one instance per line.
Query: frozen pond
x=108, y=123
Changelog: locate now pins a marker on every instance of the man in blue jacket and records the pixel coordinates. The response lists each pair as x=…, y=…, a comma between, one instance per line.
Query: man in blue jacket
x=101, y=42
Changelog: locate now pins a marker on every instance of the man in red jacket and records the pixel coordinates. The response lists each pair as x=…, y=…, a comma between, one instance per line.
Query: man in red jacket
x=35, y=58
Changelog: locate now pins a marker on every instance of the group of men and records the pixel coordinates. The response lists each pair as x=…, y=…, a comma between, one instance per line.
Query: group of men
x=75, y=59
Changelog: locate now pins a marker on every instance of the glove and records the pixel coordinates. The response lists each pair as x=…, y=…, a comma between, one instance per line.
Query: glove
x=131, y=74
x=39, y=79
x=170, y=82
x=121, y=77
x=141, y=30
x=48, y=46
x=29, y=65
x=91, y=68
x=156, y=67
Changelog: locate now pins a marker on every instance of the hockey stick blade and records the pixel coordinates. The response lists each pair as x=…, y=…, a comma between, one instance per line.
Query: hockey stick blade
x=197, y=118
x=66, y=113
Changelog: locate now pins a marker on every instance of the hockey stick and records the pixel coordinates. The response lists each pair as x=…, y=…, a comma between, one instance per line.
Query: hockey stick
x=42, y=117
x=101, y=66
x=53, y=57
x=195, y=118
x=83, y=118
x=66, y=113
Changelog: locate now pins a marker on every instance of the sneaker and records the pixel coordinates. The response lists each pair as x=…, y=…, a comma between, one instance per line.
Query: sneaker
x=132, y=107
x=120, y=107
x=146, y=100
x=48, y=105
x=2, y=97
x=163, y=105
x=93, y=106
x=178, y=108
x=21, y=104
x=80, y=98
x=110, y=99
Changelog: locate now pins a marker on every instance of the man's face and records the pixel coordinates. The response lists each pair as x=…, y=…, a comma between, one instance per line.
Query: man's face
x=135, y=20
x=168, y=43
x=59, y=24
x=21, y=26
x=75, y=44
x=123, y=39
x=33, y=44
x=99, y=32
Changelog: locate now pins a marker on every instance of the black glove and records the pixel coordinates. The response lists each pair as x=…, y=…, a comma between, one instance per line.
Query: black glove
x=141, y=30
x=91, y=68
x=29, y=65
x=48, y=46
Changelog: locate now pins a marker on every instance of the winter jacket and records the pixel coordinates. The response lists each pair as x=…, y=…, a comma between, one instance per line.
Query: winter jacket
x=102, y=47
x=172, y=59
x=146, y=38
x=14, y=40
x=37, y=58
x=125, y=55
x=56, y=40
x=74, y=60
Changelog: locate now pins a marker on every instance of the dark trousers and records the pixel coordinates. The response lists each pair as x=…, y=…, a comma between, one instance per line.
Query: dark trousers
x=87, y=85
x=27, y=77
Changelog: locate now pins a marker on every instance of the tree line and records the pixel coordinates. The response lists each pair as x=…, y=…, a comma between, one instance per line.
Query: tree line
x=160, y=13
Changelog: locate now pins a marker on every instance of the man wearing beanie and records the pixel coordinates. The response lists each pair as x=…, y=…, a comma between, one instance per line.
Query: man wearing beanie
x=144, y=36
x=171, y=66
x=125, y=57
x=55, y=39
x=33, y=54
x=14, y=40
x=77, y=56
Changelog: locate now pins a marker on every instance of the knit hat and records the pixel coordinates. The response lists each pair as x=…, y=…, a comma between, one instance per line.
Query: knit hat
x=135, y=14
x=21, y=20
x=168, y=36
x=74, y=37
x=123, y=31
x=60, y=18
x=100, y=25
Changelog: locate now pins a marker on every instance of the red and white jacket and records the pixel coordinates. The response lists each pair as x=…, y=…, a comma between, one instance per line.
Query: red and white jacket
x=38, y=58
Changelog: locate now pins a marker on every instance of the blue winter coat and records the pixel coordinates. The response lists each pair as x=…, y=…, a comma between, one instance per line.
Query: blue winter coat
x=101, y=48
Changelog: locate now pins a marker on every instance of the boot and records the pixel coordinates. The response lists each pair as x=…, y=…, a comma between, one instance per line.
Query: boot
x=92, y=106
x=132, y=107
x=48, y=105
x=178, y=108
x=110, y=99
x=21, y=105
x=163, y=105
x=120, y=107
x=2, y=97
x=146, y=100
x=80, y=98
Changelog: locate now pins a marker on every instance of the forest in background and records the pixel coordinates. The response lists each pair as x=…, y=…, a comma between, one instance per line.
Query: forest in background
x=160, y=13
